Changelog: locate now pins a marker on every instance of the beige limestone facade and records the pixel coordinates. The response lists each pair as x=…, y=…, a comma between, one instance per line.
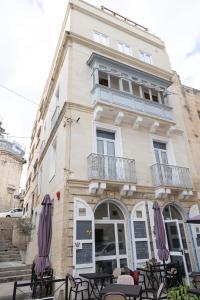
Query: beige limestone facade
x=11, y=164
x=112, y=140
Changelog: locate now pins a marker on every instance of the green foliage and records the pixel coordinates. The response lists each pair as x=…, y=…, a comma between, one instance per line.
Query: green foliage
x=25, y=226
x=181, y=293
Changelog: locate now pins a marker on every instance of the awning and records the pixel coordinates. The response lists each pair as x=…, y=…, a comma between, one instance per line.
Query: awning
x=194, y=220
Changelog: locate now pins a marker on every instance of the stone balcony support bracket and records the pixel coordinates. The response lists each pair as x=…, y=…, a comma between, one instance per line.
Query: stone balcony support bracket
x=97, y=188
x=137, y=123
x=98, y=113
x=154, y=127
x=171, y=130
x=162, y=193
x=119, y=118
x=127, y=190
x=185, y=195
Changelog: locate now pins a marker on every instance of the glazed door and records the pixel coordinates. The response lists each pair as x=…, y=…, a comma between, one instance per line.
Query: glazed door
x=110, y=246
x=178, y=245
x=164, y=169
x=106, y=148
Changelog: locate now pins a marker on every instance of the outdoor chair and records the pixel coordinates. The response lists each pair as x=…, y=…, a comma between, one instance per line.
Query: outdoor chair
x=173, y=275
x=77, y=285
x=138, y=278
x=125, y=279
x=154, y=294
x=116, y=273
x=114, y=296
x=39, y=285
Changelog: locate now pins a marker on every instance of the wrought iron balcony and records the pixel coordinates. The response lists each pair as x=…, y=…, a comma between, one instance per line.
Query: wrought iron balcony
x=171, y=176
x=104, y=167
x=101, y=94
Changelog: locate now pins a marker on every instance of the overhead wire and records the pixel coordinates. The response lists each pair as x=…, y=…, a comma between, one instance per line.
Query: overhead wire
x=18, y=94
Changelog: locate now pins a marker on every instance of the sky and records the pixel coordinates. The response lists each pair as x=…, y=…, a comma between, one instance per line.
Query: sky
x=29, y=31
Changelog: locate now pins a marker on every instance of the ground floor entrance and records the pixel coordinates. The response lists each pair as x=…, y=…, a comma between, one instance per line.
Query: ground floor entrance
x=109, y=236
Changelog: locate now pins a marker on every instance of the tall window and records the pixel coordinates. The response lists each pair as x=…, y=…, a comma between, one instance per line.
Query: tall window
x=40, y=180
x=122, y=47
x=52, y=170
x=101, y=38
x=57, y=94
x=140, y=233
x=146, y=57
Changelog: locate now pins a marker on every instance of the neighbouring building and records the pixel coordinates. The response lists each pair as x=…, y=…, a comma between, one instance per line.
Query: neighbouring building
x=11, y=164
x=110, y=138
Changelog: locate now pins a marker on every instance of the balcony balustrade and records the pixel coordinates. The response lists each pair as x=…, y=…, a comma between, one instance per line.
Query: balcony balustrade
x=104, y=167
x=11, y=147
x=101, y=94
x=171, y=176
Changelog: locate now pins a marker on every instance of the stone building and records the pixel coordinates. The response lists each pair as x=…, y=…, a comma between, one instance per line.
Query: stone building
x=11, y=164
x=111, y=139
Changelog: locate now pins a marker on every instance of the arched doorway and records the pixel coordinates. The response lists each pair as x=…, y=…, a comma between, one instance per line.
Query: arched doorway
x=110, y=237
x=176, y=237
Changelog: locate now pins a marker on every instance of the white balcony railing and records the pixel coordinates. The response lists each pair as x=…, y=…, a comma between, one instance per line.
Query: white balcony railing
x=110, y=96
x=172, y=176
x=112, y=168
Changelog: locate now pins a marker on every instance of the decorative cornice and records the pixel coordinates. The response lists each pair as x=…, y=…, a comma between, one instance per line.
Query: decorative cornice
x=97, y=16
x=115, y=63
x=13, y=156
x=132, y=61
x=79, y=107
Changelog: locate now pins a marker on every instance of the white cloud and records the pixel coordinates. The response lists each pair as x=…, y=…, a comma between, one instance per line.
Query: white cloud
x=29, y=31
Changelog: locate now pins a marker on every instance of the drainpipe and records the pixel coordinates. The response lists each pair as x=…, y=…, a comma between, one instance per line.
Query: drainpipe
x=131, y=238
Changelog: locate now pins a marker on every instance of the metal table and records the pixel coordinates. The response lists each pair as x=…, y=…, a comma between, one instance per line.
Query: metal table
x=195, y=279
x=133, y=291
x=194, y=292
x=94, y=279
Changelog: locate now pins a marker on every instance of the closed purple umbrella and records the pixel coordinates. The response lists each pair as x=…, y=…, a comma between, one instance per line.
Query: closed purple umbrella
x=42, y=262
x=159, y=229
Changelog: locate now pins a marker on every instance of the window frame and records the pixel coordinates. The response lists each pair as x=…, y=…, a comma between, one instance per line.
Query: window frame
x=123, y=47
x=146, y=57
x=100, y=38
x=53, y=155
x=141, y=206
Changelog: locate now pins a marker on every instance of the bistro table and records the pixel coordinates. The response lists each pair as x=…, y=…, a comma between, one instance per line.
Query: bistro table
x=94, y=279
x=129, y=290
x=194, y=292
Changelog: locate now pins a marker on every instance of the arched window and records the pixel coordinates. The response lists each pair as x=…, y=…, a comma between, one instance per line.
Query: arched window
x=170, y=212
x=108, y=211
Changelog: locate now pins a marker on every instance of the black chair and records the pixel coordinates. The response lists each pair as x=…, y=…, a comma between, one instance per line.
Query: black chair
x=173, y=275
x=77, y=285
x=41, y=285
x=114, y=296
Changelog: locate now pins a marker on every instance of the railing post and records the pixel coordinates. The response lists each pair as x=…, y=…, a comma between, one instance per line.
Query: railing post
x=66, y=288
x=14, y=290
